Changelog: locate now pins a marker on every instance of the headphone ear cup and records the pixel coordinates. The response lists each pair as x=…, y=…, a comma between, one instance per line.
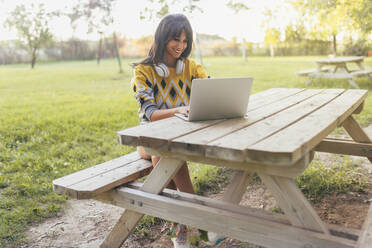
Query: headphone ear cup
x=165, y=69
x=161, y=70
x=180, y=66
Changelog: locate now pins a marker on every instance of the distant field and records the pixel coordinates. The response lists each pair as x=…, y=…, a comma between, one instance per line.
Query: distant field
x=63, y=116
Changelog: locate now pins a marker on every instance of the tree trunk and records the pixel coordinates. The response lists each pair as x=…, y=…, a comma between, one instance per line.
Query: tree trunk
x=272, y=50
x=244, y=50
x=117, y=52
x=99, y=52
x=33, y=58
x=334, y=45
x=198, y=50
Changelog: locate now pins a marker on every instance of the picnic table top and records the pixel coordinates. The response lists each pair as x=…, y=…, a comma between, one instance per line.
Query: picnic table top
x=337, y=60
x=282, y=126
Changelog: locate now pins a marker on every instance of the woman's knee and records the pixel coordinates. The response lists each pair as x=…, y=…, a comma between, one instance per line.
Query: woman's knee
x=141, y=151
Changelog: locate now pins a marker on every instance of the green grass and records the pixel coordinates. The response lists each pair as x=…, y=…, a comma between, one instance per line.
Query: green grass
x=341, y=175
x=63, y=117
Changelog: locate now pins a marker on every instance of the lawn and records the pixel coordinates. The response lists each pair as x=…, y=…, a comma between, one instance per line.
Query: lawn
x=63, y=116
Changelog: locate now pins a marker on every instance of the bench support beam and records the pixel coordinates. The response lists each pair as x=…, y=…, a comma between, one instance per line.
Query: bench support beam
x=155, y=183
x=250, y=226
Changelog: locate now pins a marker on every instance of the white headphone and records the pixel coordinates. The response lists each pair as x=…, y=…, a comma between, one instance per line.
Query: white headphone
x=162, y=70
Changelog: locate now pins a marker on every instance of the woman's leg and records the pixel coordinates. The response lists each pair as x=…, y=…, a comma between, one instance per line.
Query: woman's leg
x=142, y=153
x=183, y=180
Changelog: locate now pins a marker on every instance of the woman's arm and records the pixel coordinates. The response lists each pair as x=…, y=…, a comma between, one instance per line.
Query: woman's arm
x=165, y=113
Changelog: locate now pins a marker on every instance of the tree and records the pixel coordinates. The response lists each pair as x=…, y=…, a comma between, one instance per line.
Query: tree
x=327, y=18
x=272, y=37
x=98, y=15
x=237, y=7
x=361, y=12
x=31, y=24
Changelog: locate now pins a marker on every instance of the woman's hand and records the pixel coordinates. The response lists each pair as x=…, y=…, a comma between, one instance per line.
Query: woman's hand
x=183, y=110
x=166, y=113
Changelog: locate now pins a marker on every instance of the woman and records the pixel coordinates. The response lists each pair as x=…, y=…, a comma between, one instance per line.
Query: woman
x=162, y=84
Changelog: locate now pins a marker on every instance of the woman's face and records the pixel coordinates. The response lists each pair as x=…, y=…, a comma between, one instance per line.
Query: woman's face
x=175, y=47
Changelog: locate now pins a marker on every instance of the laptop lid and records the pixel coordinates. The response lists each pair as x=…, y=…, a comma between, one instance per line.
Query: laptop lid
x=219, y=98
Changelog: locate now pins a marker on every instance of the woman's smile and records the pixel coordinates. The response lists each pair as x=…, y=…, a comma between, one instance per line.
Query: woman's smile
x=175, y=48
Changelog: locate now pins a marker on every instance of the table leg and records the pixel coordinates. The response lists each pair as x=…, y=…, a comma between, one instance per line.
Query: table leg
x=353, y=128
x=237, y=187
x=353, y=84
x=360, y=64
x=294, y=204
x=155, y=183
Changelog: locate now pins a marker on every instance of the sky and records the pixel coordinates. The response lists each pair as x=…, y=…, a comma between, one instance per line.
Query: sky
x=216, y=18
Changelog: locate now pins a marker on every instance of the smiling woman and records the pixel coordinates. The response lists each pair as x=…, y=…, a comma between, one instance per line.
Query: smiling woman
x=162, y=87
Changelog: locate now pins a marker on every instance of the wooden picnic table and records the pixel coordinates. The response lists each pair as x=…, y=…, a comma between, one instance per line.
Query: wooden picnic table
x=277, y=140
x=337, y=67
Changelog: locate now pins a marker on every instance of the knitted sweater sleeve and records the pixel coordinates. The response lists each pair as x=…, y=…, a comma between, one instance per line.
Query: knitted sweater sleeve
x=142, y=86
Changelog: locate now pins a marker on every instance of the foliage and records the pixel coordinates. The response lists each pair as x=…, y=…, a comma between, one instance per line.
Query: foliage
x=272, y=36
x=63, y=117
x=361, y=11
x=329, y=18
x=31, y=24
x=97, y=13
x=341, y=175
x=237, y=6
x=159, y=8
x=359, y=47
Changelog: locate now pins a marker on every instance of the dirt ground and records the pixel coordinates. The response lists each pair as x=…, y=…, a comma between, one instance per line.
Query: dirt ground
x=85, y=223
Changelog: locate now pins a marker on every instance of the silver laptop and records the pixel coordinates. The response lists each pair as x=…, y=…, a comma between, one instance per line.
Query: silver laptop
x=218, y=98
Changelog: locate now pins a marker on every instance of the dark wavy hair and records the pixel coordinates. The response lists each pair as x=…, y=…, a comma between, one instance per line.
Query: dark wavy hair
x=169, y=28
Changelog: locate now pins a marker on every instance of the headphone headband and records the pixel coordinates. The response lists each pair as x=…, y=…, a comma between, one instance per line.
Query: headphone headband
x=163, y=71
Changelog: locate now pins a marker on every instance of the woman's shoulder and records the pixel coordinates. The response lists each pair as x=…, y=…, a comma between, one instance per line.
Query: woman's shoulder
x=143, y=68
x=189, y=62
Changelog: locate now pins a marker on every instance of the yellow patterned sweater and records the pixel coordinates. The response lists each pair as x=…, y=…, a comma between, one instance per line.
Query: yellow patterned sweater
x=154, y=92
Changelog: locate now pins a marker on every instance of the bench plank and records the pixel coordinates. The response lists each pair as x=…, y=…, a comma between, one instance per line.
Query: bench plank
x=99, y=178
x=305, y=73
x=365, y=239
x=362, y=73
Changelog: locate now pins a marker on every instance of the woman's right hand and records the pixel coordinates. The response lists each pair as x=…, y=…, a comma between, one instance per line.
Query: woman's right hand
x=183, y=110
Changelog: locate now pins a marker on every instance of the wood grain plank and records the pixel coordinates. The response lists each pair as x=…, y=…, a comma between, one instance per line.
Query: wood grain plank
x=277, y=94
x=365, y=239
x=194, y=143
x=111, y=179
x=346, y=147
x=291, y=172
x=249, y=228
x=60, y=185
x=156, y=134
x=233, y=146
x=288, y=145
x=294, y=204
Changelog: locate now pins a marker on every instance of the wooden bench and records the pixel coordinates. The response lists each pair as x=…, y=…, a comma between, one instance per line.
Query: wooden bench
x=306, y=73
x=362, y=73
x=365, y=238
x=95, y=180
